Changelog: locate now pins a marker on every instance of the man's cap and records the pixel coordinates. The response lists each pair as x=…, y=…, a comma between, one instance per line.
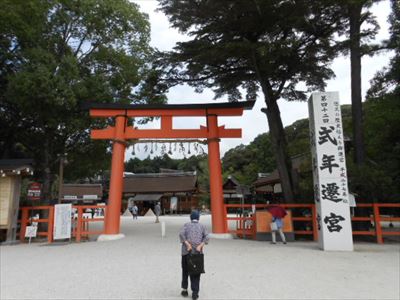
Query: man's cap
x=194, y=215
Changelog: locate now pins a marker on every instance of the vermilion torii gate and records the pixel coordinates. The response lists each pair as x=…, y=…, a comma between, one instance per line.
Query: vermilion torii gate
x=121, y=133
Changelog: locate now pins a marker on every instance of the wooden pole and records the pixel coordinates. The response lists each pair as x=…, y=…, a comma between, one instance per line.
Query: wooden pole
x=112, y=221
x=215, y=169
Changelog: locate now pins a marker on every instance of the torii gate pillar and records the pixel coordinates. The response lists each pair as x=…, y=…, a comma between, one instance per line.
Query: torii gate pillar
x=112, y=220
x=215, y=170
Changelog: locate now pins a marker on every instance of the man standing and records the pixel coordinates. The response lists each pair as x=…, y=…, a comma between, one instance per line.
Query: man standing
x=135, y=211
x=193, y=237
x=157, y=211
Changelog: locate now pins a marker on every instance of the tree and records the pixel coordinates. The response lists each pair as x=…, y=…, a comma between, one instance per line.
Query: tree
x=267, y=45
x=387, y=81
x=357, y=14
x=245, y=162
x=54, y=56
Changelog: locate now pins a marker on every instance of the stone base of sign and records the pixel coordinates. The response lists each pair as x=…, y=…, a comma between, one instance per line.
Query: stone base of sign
x=110, y=237
x=261, y=236
x=221, y=236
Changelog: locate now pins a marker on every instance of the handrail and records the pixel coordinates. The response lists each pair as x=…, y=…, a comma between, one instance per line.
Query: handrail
x=377, y=218
x=82, y=225
x=25, y=219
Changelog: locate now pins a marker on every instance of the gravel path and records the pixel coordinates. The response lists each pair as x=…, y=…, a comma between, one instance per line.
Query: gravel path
x=145, y=266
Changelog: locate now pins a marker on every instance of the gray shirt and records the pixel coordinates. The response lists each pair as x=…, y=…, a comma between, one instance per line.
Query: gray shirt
x=195, y=233
x=157, y=209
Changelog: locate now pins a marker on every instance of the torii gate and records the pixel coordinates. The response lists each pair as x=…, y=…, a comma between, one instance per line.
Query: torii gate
x=121, y=133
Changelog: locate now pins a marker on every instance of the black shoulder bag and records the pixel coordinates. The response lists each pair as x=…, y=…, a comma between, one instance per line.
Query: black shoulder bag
x=195, y=263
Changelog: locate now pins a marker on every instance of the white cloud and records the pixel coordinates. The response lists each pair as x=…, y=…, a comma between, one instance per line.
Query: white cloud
x=254, y=122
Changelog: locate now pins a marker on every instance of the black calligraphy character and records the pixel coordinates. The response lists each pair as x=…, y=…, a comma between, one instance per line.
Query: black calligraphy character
x=330, y=191
x=327, y=162
x=324, y=135
x=333, y=221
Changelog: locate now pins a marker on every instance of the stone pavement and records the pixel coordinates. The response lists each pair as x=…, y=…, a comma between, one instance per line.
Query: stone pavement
x=145, y=266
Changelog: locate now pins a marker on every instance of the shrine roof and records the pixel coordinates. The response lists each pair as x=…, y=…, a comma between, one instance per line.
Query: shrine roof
x=16, y=167
x=160, y=183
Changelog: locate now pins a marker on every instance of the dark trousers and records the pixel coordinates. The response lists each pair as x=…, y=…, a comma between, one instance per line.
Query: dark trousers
x=194, y=279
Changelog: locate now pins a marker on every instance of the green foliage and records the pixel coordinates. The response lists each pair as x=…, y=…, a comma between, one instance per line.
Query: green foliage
x=56, y=55
x=377, y=180
x=268, y=46
x=359, y=21
x=252, y=44
x=382, y=136
x=298, y=137
x=245, y=162
x=388, y=80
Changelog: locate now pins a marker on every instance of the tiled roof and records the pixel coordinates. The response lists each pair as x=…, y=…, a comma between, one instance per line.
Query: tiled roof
x=160, y=183
x=16, y=167
x=270, y=178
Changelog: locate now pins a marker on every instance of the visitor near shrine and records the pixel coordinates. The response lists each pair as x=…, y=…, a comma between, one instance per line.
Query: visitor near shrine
x=278, y=213
x=157, y=211
x=134, y=211
x=193, y=237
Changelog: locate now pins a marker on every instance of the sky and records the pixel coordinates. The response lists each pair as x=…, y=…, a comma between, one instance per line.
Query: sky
x=254, y=122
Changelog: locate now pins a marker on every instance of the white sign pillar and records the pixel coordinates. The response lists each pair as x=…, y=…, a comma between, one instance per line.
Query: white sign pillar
x=331, y=193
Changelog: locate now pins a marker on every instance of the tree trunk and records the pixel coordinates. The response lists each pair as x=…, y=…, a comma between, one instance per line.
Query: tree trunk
x=277, y=133
x=355, y=62
x=278, y=140
x=46, y=189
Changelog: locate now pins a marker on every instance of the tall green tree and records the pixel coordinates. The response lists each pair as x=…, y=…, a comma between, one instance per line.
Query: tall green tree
x=270, y=46
x=57, y=54
x=357, y=14
x=387, y=81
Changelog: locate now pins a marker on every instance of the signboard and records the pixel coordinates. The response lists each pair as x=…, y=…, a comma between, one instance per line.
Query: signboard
x=62, y=221
x=70, y=197
x=90, y=197
x=34, y=191
x=31, y=231
x=174, y=203
x=6, y=198
x=329, y=172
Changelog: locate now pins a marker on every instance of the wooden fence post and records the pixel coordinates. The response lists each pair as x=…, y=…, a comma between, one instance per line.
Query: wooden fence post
x=50, y=224
x=314, y=222
x=79, y=225
x=24, y=221
x=377, y=220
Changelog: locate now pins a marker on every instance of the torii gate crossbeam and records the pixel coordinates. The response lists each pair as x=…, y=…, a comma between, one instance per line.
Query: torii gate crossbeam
x=120, y=133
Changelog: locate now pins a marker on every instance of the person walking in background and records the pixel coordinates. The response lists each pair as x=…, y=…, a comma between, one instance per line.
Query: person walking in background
x=278, y=213
x=134, y=211
x=193, y=237
x=157, y=211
